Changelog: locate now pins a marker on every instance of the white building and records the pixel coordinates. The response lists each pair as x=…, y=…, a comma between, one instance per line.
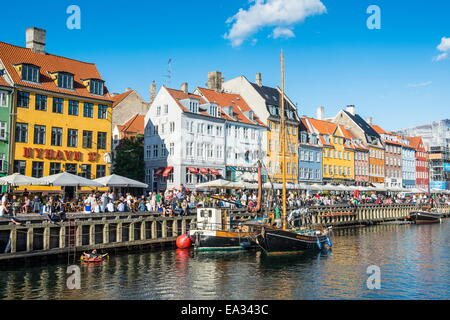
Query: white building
x=245, y=135
x=184, y=140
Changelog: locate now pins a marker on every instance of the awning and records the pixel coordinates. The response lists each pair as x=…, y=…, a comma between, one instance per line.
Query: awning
x=167, y=171
x=159, y=171
x=214, y=172
x=193, y=170
x=204, y=170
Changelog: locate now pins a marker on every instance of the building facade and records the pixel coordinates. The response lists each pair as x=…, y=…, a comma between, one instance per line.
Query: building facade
x=6, y=93
x=266, y=103
x=422, y=166
x=439, y=168
x=361, y=163
x=62, y=112
x=245, y=135
x=408, y=165
x=309, y=155
x=126, y=105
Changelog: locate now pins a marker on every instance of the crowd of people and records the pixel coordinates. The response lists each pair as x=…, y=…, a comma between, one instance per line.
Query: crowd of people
x=178, y=202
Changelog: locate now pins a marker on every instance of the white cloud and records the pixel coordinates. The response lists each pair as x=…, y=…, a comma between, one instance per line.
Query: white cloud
x=281, y=14
x=444, y=47
x=420, y=84
x=280, y=32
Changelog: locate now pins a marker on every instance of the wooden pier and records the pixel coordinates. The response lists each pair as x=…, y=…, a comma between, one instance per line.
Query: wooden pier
x=85, y=232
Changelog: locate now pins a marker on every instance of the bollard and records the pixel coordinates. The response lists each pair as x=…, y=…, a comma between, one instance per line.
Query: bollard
x=106, y=233
x=47, y=238
x=131, y=232
x=62, y=236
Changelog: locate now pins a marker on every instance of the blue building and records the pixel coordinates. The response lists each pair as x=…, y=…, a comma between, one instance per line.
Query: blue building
x=309, y=156
x=408, y=165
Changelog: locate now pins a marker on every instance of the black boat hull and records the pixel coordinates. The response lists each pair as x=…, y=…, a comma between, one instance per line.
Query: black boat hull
x=420, y=217
x=207, y=242
x=279, y=242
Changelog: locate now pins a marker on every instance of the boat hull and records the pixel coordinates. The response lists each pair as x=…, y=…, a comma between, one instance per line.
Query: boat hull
x=280, y=242
x=223, y=241
x=421, y=217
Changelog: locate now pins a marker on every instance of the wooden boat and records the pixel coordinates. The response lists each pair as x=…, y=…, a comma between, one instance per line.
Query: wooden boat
x=420, y=217
x=98, y=259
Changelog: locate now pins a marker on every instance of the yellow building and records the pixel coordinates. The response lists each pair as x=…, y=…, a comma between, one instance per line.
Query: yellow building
x=338, y=159
x=62, y=113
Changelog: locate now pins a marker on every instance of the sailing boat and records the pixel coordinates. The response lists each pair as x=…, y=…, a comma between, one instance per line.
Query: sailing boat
x=278, y=241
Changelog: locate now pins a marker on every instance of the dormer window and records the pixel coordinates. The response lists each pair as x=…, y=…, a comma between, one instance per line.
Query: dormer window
x=30, y=73
x=96, y=87
x=65, y=80
x=213, y=110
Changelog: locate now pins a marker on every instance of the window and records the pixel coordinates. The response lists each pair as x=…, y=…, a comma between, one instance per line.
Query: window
x=158, y=110
x=213, y=110
x=72, y=138
x=209, y=151
x=86, y=171
x=65, y=80
x=101, y=171
x=41, y=102
x=189, y=149
x=102, y=111
x=166, y=109
x=3, y=99
x=88, y=111
x=58, y=105
x=163, y=149
x=172, y=127
x=20, y=166
x=39, y=134
x=101, y=140
x=209, y=130
x=71, y=168
x=148, y=154
x=155, y=151
x=22, y=132
x=3, y=130
x=23, y=99
x=37, y=169
x=55, y=168
x=30, y=73
x=3, y=163
x=56, y=136
x=73, y=107
x=87, y=139
x=96, y=87
x=172, y=148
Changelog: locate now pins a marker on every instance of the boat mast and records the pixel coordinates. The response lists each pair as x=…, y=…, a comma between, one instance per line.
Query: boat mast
x=283, y=146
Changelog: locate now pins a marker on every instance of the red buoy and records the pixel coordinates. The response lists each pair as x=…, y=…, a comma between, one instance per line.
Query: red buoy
x=183, y=241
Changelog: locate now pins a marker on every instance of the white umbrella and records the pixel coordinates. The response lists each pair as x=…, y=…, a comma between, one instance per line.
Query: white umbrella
x=219, y=183
x=66, y=179
x=17, y=179
x=115, y=180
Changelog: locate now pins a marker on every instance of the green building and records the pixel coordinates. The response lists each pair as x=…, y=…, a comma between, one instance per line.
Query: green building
x=6, y=100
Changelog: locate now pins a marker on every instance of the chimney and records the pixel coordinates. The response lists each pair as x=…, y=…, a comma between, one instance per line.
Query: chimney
x=184, y=87
x=320, y=113
x=259, y=79
x=35, y=39
x=351, y=109
x=369, y=120
x=152, y=91
x=215, y=81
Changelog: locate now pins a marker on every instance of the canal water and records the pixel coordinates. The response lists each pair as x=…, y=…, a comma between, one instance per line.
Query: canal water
x=414, y=262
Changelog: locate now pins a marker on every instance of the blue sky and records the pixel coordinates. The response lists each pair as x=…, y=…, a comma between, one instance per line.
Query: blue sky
x=333, y=60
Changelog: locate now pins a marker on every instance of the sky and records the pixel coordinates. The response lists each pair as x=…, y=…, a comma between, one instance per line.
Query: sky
x=399, y=74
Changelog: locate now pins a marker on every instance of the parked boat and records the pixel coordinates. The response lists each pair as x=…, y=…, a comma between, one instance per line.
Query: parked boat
x=419, y=217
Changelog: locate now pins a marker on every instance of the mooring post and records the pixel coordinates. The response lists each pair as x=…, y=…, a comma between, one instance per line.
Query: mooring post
x=62, y=236
x=143, y=224
x=164, y=229
x=183, y=226
x=30, y=236
x=47, y=238
x=131, y=232
x=106, y=233
x=92, y=234
x=119, y=232
x=79, y=236
x=175, y=228
x=154, y=230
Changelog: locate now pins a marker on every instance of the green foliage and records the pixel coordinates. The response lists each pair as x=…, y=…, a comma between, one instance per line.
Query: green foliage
x=129, y=158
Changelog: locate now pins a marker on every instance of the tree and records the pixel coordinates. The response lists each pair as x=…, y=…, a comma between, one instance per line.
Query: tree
x=129, y=158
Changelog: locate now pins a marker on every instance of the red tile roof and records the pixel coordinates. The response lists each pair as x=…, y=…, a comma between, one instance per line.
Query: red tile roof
x=239, y=105
x=323, y=127
x=378, y=129
x=12, y=55
x=3, y=82
x=134, y=125
x=415, y=142
x=120, y=97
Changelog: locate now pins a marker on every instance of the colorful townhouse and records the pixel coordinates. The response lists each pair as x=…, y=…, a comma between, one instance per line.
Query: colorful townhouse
x=338, y=151
x=408, y=164
x=393, y=158
x=309, y=154
x=372, y=140
x=266, y=103
x=422, y=164
x=61, y=112
x=361, y=162
x=6, y=94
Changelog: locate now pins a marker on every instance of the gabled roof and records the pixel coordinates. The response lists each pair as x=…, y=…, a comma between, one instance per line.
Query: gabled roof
x=378, y=129
x=272, y=96
x=134, y=125
x=235, y=101
x=120, y=97
x=322, y=127
x=368, y=130
x=415, y=142
x=12, y=55
x=3, y=82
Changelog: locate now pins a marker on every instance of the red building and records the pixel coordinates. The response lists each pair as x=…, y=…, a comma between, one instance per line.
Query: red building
x=422, y=171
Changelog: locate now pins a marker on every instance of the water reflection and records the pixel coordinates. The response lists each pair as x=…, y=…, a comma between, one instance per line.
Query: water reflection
x=413, y=260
